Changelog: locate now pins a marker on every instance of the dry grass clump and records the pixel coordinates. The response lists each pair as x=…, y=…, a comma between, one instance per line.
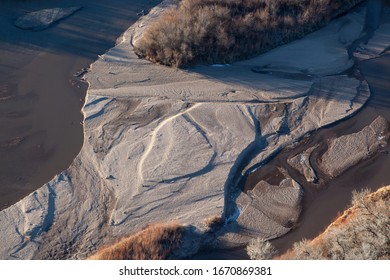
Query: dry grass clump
x=361, y=232
x=223, y=31
x=155, y=242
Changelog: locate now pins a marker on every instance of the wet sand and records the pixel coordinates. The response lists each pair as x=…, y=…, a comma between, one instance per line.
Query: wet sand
x=40, y=99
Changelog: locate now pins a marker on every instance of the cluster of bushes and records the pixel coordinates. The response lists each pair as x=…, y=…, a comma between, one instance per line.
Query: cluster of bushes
x=223, y=31
x=155, y=242
x=361, y=232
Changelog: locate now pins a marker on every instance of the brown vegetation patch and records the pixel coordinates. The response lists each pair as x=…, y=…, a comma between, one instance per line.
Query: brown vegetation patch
x=223, y=31
x=214, y=222
x=155, y=242
x=343, y=218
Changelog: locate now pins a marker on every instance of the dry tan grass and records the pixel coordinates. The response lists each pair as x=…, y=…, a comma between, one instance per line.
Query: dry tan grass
x=155, y=242
x=223, y=31
x=361, y=232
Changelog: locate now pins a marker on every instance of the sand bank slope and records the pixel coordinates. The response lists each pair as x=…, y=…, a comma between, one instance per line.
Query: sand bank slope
x=167, y=144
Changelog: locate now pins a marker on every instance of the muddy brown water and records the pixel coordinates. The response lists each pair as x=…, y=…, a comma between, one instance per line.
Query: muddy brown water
x=40, y=99
x=40, y=124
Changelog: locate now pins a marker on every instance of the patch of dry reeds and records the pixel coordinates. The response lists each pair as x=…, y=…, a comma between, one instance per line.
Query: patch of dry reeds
x=223, y=31
x=155, y=242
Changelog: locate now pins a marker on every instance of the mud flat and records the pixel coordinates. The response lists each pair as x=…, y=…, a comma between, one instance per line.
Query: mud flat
x=170, y=144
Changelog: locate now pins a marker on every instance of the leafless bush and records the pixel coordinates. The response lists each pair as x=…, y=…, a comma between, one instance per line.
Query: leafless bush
x=304, y=250
x=361, y=232
x=223, y=31
x=259, y=249
x=357, y=196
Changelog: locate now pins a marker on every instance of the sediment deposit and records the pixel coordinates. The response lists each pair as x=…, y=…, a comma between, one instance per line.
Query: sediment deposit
x=301, y=162
x=40, y=20
x=348, y=150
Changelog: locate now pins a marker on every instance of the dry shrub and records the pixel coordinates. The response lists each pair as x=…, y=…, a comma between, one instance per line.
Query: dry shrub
x=214, y=222
x=361, y=232
x=155, y=242
x=259, y=249
x=223, y=31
